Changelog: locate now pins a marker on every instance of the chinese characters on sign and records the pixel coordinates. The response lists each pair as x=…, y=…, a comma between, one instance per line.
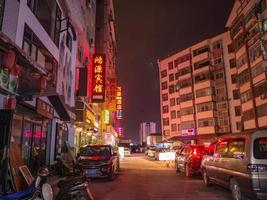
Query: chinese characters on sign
x=119, y=103
x=98, y=78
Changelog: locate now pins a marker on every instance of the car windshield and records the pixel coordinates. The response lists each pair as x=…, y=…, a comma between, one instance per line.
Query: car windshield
x=260, y=148
x=95, y=151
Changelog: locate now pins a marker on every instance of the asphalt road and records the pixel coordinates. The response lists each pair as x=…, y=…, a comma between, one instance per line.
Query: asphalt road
x=144, y=179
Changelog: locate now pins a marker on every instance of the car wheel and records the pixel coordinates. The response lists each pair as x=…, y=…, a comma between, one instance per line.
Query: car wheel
x=206, y=178
x=187, y=170
x=111, y=176
x=236, y=191
x=176, y=167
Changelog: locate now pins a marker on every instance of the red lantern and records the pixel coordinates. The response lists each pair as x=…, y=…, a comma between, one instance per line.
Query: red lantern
x=42, y=83
x=9, y=59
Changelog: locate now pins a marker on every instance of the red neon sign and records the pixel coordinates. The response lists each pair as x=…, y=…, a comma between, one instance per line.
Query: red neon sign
x=119, y=102
x=98, y=78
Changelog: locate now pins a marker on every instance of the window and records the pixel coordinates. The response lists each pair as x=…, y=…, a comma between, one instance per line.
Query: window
x=223, y=122
x=171, y=89
x=165, y=109
x=201, y=64
x=165, y=97
x=260, y=89
x=243, y=77
x=206, y=122
x=230, y=48
x=163, y=73
x=203, y=77
x=205, y=92
x=217, y=61
x=182, y=59
x=172, y=101
x=186, y=97
x=232, y=63
x=262, y=110
x=174, y=127
x=205, y=107
x=166, y=132
x=186, y=125
x=69, y=40
x=164, y=85
x=176, y=75
x=257, y=70
x=178, y=113
x=241, y=60
x=221, y=149
x=238, y=111
x=2, y=7
x=238, y=126
x=248, y=115
x=173, y=114
x=200, y=50
x=246, y=96
x=184, y=71
x=166, y=122
x=49, y=15
x=185, y=83
x=219, y=75
x=217, y=45
x=36, y=50
x=236, y=148
x=222, y=105
x=260, y=148
x=170, y=65
x=236, y=94
x=171, y=77
x=177, y=100
x=234, y=78
x=254, y=52
x=187, y=111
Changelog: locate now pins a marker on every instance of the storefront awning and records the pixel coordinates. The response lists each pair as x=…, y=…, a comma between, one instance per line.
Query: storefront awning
x=61, y=108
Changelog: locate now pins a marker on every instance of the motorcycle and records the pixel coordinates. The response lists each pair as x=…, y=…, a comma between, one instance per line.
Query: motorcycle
x=74, y=188
x=38, y=190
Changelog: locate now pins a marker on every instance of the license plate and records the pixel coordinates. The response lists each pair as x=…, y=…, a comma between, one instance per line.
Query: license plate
x=91, y=171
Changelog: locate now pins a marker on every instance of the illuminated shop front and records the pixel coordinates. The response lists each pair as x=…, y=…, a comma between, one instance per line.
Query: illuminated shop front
x=86, y=125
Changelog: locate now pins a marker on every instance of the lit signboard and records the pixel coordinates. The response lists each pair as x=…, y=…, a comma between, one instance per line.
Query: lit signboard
x=106, y=113
x=188, y=132
x=119, y=102
x=98, y=78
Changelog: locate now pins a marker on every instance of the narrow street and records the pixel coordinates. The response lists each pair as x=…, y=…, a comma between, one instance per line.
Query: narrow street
x=144, y=179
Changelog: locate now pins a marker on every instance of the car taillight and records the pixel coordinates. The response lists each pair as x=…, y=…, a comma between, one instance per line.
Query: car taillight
x=257, y=168
x=195, y=152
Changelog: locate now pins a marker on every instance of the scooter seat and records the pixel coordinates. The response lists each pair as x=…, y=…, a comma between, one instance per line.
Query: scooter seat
x=71, y=182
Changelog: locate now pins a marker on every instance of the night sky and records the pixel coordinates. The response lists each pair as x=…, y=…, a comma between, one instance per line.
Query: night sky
x=150, y=29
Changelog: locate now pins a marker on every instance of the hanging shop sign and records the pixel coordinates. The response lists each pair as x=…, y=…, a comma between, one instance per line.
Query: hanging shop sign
x=119, y=102
x=98, y=78
x=106, y=117
x=188, y=132
x=44, y=109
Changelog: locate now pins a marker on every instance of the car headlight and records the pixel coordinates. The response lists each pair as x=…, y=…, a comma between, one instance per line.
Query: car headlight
x=47, y=191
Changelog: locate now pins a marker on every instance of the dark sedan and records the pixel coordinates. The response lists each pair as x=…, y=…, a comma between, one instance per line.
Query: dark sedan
x=98, y=161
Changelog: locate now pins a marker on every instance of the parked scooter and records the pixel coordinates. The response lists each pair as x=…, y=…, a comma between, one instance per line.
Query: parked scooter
x=38, y=190
x=74, y=188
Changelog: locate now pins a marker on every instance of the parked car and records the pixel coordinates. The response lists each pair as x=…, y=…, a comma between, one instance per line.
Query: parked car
x=239, y=163
x=127, y=151
x=151, y=152
x=98, y=161
x=188, y=159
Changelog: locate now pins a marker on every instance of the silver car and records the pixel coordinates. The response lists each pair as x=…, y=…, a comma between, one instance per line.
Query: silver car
x=239, y=163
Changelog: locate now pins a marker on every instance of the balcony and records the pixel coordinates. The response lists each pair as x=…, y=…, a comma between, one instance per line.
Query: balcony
x=204, y=99
x=250, y=124
x=202, y=56
x=187, y=117
x=206, y=114
x=206, y=130
x=186, y=104
x=203, y=84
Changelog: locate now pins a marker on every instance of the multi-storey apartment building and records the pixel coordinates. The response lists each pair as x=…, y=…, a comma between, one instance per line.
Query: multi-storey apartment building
x=247, y=26
x=146, y=128
x=193, y=90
